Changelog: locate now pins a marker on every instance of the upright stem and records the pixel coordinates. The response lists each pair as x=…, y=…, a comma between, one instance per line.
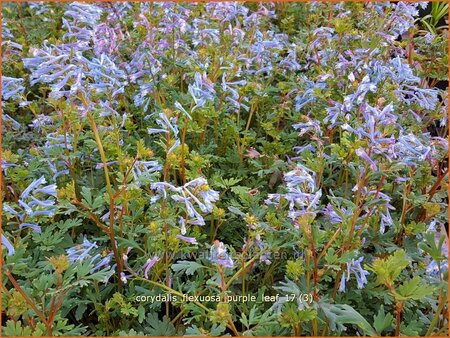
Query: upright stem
x=112, y=238
x=315, y=262
x=212, y=232
x=102, y=153
x=182, y=162
x=252, y=109
x=40, y=314
x=163, y=209
x=398, y=317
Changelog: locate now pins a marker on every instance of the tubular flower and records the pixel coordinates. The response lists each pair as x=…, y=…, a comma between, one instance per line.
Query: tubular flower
x=219, y=255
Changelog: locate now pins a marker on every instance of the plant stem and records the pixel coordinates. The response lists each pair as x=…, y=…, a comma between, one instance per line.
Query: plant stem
x=40, y=314
x=252, y=109
x=233, y=328
x=332, y=239
x=182, y=162
x=236, y=275
x=398, y=317
x=436, y=315
x=112, y=238
x=102, y=153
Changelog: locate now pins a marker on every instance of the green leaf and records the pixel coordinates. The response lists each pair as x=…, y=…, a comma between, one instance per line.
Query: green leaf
x=188, y=267
x=253, y=318
x=131, y=333
x=413, y=328
x=413, y=290
x=16, y=330
x=289, y=287
x=98, y=202
x=236, y=211
x=129, y=310
x=388, y=269
x=194, y=331
x=215, y=331
x=126, y=243
x=382, y=321
x=429, y=246
x=428, y=26
x=87, y=196
x=141, y=314
x=331, y=257
x=48, y=239
x=68, y=224
x=307, y=314
x=80, y=311
x=158, y=327
x=226, y=183
x=241, y=191
x=340, y=314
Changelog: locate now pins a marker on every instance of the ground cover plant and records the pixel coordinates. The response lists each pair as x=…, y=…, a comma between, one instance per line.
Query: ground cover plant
x=224, y=169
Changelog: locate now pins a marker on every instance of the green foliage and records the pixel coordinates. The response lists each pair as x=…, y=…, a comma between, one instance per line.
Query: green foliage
x=439, y=10
x=413, y=290
x=156, y=327
x=306, y=169
x=15, y=329
x=187, y=267
x=383, y=321
x=389, y=269
x=340, y=314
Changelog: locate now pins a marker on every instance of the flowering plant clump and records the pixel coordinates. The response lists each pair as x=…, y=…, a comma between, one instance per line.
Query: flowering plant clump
x=224, y=168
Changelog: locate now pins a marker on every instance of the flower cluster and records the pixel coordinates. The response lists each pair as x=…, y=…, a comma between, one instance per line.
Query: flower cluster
x=219, y=255
x=302, y=193
x=31, y=204
x=88, y=251
x=360, y=274
x=194, y=193
x=309, y=137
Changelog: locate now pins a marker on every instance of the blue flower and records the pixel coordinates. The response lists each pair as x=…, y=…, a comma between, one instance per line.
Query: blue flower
x=8, y=245
x=219, y=255
x=410, y=150
x=308, y=126
x=360, y=274
x=104, y=262
x=168, y=125
x=7, y=208
x=81, y=251
x=302, y=195
x=41, y=121
x=144, y=169
x=101, y=165
x=32, y=204
x=35, y=227
x=87, y=251
x=6, y=165
x=342, y=283
x=180, y=107
x=174, y=146
x=195, y=192
x=307, y=94
x=32, y=186
x=362, y=153
x=191, y=240
x=150, y=262
x=12, y=88
x=386, y=220
x=182, y=222
x=124, y=277
x=83, y=12
x=403, y=18
x=201, y=90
